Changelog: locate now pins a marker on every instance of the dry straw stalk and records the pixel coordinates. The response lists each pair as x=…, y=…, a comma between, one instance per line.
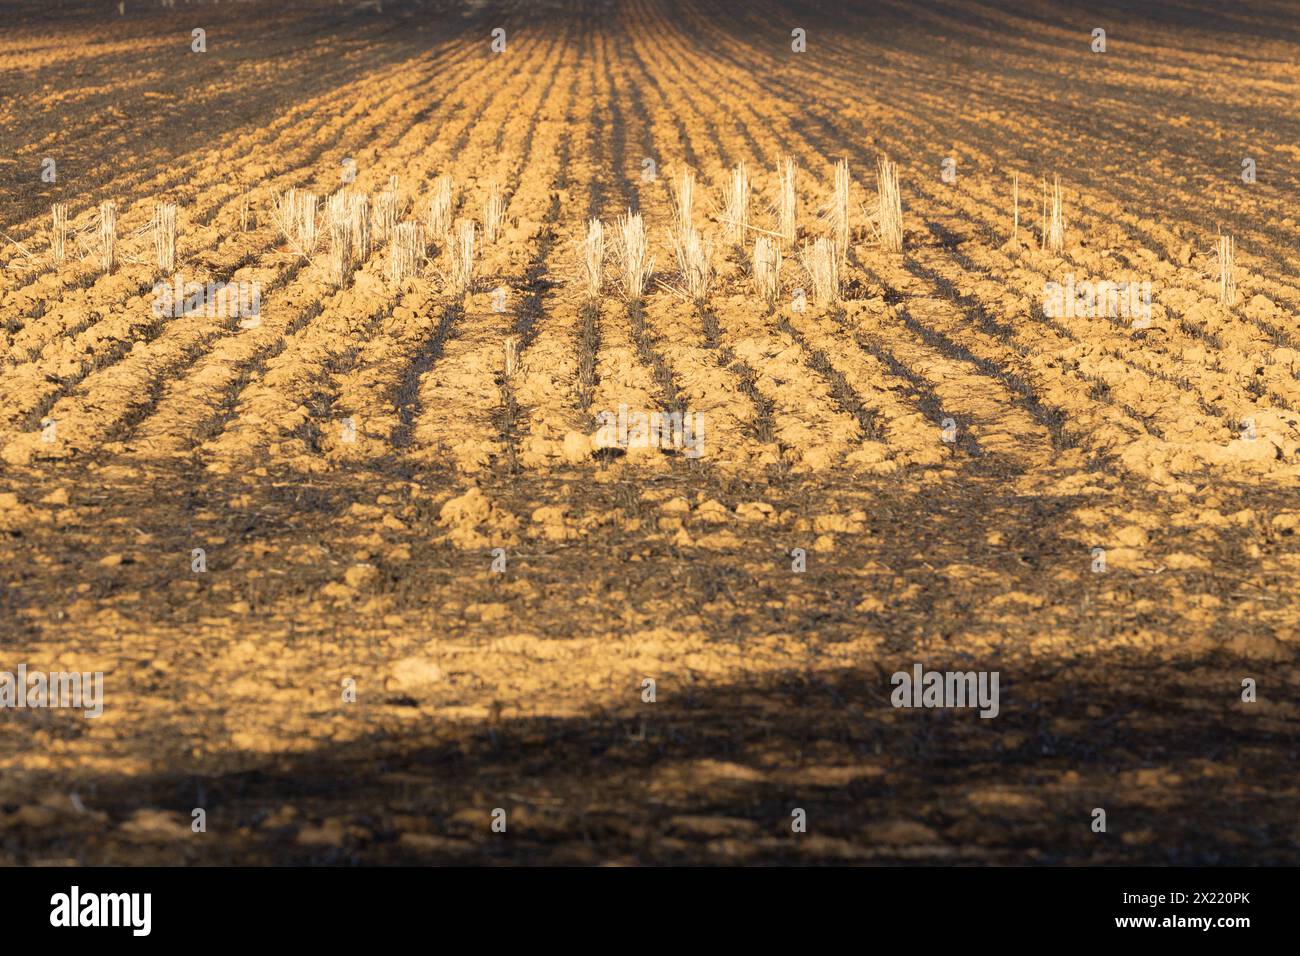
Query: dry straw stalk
x=108, y=235
x=386, y=214
x=1015, y=201
x=683, y=213
x=295, y=216
x=592, y=258
x=441, y=207
x=461, y=252
x=1054, y=222
x=494, y=212
x=767, y=269
x=406, y=251
x=338, y=264
x=735, y=204
x=634, y=260
x=1227, y=271
x=59, y=231
x=692, y=255
x=838, y=212
x=890, y=211
x=511, y=355
x=821, y=261
x=164, y=236
x=358, y=213
x=787, y=202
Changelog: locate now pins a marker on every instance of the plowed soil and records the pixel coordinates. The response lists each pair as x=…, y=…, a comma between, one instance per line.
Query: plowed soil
x=381, y=507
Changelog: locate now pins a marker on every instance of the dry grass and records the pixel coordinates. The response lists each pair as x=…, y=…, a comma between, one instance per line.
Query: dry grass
x=822, y=263
x=406, y=251
x=164, y=236
x=59, y=232
x=1227, y=271
x=889, y=212
x=632, y=253
x=108, y=235
x=591, y=257
x=767, y=269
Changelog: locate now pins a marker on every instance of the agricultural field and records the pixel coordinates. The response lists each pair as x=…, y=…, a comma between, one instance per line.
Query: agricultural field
x=393, y=499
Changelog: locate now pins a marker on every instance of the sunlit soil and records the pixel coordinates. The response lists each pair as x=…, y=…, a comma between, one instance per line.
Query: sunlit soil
x=353, y=587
